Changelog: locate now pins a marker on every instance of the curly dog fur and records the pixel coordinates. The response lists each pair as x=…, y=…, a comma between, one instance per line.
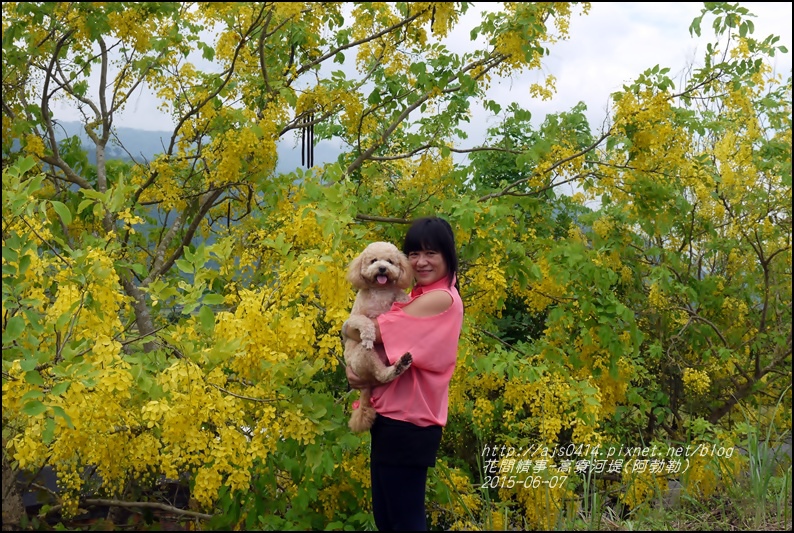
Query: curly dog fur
x=381, y=273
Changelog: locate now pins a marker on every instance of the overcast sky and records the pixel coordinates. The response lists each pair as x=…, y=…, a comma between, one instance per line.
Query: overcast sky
x=608, y=47
x=615, y=42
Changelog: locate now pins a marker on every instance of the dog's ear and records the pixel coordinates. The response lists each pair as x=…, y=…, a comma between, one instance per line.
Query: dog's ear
x=406, y=272
x=354, y=273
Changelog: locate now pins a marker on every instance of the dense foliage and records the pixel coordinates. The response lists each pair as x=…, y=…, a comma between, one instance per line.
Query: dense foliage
x=179, y=318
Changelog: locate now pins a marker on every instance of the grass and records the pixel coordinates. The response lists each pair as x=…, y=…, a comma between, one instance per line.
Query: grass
x=759, y=499
x=736, y=508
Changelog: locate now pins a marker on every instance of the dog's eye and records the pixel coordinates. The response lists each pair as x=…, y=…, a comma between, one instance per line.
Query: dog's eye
x=390, y=261
x=373, y=261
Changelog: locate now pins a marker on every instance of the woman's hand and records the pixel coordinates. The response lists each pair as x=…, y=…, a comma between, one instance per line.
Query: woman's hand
x=355, y=381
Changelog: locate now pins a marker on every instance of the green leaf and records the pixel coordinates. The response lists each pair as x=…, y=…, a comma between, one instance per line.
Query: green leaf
x=138, y=269
x=48, y=435
x=213, y=299
x=24, y=263
x=34, y=408
x=34, y=378
x=184, y=266
x=63, y=319
x=82, y=205
x=28, y=364
x=58, y=411
x=9, y=249
x=63, y=212
x=14, y=327
x=60, y=388
x=207, y=318
x=34, y=394
x=25, y=164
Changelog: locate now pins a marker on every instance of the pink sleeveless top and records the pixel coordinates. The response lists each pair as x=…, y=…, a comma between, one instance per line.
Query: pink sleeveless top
x=421, y=394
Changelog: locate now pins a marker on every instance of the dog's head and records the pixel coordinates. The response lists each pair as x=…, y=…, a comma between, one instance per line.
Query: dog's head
x=379, y=265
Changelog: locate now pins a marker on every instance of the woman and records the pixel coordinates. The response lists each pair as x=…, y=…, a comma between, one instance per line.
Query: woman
x=412, y=409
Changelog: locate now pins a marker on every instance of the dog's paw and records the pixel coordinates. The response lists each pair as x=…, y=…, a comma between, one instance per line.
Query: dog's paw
x=403, y=363
x=367, y=344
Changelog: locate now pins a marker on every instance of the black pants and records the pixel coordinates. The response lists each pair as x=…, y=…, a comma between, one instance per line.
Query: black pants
x=401, y=454
x=398, y=497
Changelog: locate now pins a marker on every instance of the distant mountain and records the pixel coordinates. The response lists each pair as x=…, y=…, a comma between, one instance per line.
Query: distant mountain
x=143, y=144
x=139, y=143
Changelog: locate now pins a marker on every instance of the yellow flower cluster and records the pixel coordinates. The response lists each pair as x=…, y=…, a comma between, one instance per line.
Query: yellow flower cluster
x=200, y=430
x=298, y=427
x=273, y=334
x=351, y=479
x=143, y=452
x=496, y=519
x=491, y=281
x=371, y=18
x=656, y=297
x=735, y=309
x=239, y=152
x=34, y=145
x=132, y=26
x=613, y=390
x=443, y=16
x=539, y=295
x=464, y=499
x=548, y=400
x=27, y=449
x=544, y=504
x=166, y=188
x=696, y=381
x=105, y=352
x=432, y=176
x=642, y=486
x=707, y=474
x=70, y=481
x=603, y=226
x=95, y=403
x=546, y=91
x=97, y=322
x=286, y=10
x=482, y=414
x=352, y=109
x=649, y=123
x=208, y=482
x=129, y=219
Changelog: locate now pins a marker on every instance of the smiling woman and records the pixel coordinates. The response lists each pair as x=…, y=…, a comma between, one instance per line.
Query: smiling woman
x=412, y=409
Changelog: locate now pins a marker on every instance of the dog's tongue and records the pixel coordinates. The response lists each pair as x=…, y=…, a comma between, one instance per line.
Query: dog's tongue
x=382, y=280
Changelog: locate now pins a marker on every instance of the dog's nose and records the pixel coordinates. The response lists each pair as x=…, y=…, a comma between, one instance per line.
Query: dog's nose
x=382, y=270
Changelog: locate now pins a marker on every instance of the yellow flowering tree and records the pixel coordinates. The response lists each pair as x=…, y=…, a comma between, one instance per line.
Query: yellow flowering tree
x=177, y=319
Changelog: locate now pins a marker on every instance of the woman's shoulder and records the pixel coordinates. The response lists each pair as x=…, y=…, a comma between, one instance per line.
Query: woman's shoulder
x=430, y=303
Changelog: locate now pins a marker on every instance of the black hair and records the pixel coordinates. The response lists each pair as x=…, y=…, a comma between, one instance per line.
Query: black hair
x=434, y=233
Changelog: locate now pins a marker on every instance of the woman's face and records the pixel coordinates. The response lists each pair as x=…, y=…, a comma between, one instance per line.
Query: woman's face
x=428, y=266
